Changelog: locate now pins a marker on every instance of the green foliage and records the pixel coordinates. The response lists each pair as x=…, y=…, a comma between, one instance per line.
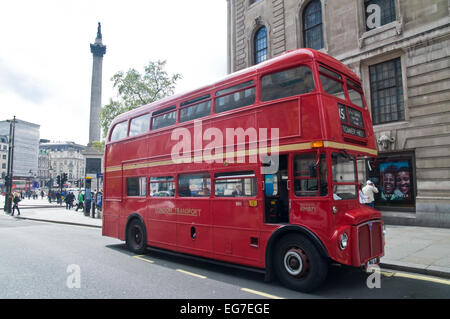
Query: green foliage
x=135, y=89
x=99, y=146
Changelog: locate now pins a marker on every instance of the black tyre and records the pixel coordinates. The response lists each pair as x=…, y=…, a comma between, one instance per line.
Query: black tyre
x=298, y=264
x=136, y=237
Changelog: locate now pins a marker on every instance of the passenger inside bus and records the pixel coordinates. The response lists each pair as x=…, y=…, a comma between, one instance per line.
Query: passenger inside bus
x=237, y=191
x=185, y=191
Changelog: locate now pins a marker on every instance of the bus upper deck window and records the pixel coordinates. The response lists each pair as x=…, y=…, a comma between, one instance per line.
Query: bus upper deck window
x=140, y=125
x=119, y=131
x=354, y=93
x=332, y=83
x=286, y=83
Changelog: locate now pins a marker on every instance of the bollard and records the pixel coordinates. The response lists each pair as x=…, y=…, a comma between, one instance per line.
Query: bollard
x=93, y=209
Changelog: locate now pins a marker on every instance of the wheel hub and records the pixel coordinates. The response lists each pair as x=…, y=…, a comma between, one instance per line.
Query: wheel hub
x=296, y=262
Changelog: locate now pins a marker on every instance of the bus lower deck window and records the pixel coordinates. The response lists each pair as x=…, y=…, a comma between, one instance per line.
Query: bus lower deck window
x=162, y=186
x=136, y=186
x=194, y=185
x=235, y=184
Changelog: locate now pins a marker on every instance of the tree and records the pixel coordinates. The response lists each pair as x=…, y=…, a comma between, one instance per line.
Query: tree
x=135, y=89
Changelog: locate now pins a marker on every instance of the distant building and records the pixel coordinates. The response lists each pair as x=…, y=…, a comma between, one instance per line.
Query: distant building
x=26, y=148
x=44, y=165
x=3, y=159
x=62, y=157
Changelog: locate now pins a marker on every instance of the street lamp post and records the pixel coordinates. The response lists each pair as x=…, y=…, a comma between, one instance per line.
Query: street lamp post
x=50, y=183
x=10, y=170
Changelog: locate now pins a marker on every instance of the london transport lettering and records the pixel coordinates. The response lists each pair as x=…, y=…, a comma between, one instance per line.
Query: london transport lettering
x=178, y=211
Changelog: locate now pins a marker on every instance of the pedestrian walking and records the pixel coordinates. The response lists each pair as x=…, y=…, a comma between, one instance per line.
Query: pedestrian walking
x=71, y=199
x=16, y=200
x=80, y=201
x=369, y=190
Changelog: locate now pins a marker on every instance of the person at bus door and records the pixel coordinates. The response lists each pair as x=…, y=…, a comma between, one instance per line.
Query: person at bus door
x=369, y=190
x=16, y=200
x=362, y=197
x=238, y=191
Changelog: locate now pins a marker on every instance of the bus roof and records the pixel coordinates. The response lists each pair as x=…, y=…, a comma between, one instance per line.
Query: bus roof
x=289, y=57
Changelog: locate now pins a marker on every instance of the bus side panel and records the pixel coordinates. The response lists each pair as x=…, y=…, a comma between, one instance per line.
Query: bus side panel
x=286, y=113
x=110, y=218
x=112, y=195
x=161, y=221
x=236, y=231
x=131, y=204
x=312, y=124
x=194, y=226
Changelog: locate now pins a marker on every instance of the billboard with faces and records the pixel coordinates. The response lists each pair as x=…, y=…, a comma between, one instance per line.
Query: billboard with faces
x=395, y=182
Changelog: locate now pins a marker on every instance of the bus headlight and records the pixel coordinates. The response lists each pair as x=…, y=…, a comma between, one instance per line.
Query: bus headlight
x=343, y=241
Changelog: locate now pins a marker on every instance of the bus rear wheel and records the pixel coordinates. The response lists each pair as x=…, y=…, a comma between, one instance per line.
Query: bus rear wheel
x=136, y=238
x=298, y=264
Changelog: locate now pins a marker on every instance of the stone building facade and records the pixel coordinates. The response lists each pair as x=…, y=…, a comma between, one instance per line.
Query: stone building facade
x=401, y=51
x=63, y=157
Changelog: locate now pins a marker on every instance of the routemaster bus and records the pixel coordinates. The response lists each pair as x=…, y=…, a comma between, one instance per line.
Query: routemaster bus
x=260, y=169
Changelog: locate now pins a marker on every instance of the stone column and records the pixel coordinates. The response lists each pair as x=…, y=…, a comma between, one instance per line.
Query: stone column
x=98, y=51
x=92, y=156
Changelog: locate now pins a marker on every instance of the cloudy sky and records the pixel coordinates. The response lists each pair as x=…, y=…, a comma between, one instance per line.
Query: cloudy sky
x=46, y=63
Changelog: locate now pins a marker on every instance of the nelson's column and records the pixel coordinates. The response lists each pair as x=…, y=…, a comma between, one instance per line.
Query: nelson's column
x=93, y=156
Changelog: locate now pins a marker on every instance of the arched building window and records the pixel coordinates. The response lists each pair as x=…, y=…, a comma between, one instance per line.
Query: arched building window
x=312, y=25
x=260, y=45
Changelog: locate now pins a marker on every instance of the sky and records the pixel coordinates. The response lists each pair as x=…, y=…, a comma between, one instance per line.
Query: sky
x=46, y=63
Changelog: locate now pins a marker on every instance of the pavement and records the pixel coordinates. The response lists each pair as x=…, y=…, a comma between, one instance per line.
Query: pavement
x=415, y=249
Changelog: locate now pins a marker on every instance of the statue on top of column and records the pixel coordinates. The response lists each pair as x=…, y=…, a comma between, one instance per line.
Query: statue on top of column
x=99, y=31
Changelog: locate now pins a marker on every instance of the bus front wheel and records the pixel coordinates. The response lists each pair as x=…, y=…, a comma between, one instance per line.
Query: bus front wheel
x=136, y=237
x=298, y=264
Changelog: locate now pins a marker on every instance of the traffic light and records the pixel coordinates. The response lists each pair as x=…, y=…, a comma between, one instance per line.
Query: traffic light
x=64, y=178
x=58, y=180
x=88, y=182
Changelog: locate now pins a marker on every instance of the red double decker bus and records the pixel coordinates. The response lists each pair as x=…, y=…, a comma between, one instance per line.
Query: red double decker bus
x=260, y=169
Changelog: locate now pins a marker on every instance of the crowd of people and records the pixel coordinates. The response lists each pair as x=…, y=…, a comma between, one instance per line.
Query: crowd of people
x=69, y=197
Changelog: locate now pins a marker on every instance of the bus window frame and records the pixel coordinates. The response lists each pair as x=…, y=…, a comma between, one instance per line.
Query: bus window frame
x=357, y=89
x=211, y=108
x=114, y=127
x=161, y=114
x=309, y=64
x=139, y=177
x=334, y=183
x=216, y=96
x=326, y=159
x=342, y=80
x=174, y=181
x=242, y=177
x=138, y=116
x=177, y=185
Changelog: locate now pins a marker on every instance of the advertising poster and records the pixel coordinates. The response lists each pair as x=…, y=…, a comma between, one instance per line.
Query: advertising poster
x=395, y=182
